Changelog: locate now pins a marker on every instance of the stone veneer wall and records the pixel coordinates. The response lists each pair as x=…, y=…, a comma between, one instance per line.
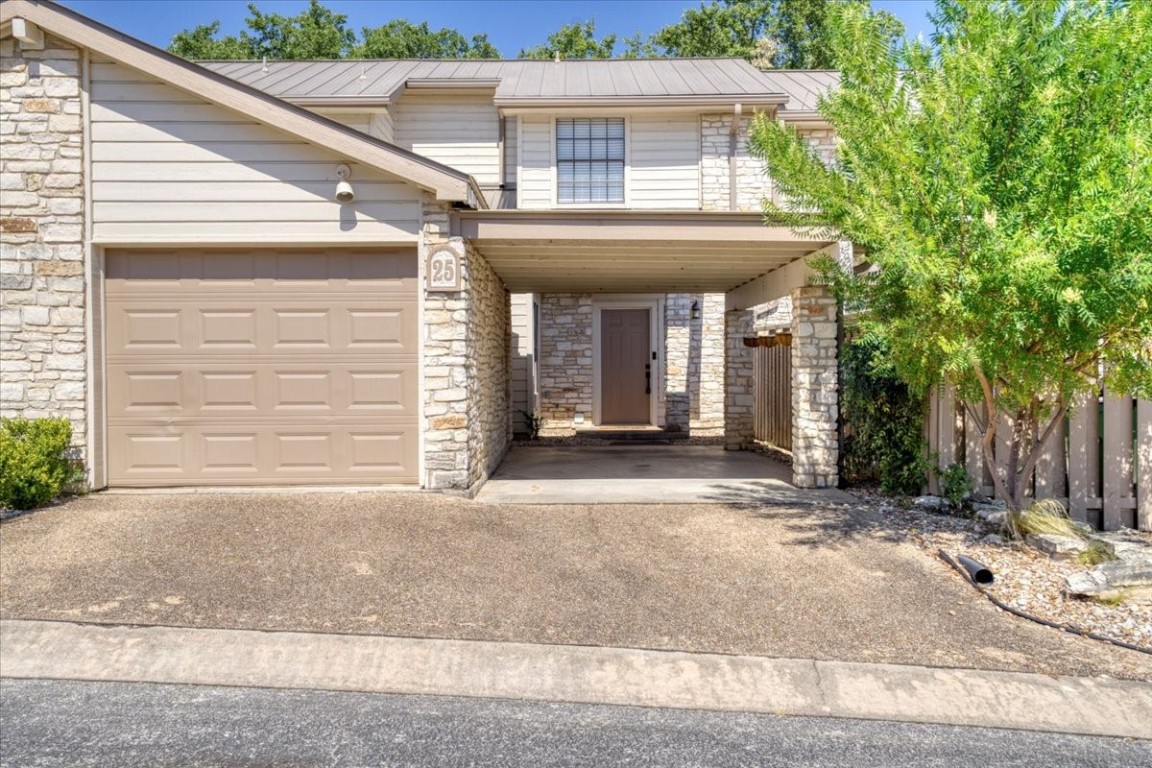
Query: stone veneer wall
x=739, y=426
x=815, y=388
x=753, y=184
x=43, y=342
x=694, y=363
x=466, y=366
x=565, y=362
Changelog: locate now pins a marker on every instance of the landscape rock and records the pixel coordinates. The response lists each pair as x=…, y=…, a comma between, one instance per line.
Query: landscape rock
x=993, y=539
x=1136, y=572
x=1122, y=545
x=1086, y=584
x=1057, y=546
x=931, y=504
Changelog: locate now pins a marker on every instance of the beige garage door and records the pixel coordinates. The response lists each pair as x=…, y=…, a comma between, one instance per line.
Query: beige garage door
x=251, y=367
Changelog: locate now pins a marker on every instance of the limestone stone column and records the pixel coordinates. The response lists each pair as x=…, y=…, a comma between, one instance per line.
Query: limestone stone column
x=739, y=398
x=815, y=388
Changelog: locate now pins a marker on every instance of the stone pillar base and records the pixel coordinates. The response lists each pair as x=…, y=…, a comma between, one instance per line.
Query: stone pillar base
x=739, y=386
x=815, y=389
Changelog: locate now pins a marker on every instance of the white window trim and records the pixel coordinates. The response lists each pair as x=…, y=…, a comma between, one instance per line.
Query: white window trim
x=555, y=182
x=655, y=304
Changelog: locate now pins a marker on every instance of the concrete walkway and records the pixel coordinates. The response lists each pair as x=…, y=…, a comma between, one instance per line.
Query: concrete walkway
x=36, y=649
x=645, y=474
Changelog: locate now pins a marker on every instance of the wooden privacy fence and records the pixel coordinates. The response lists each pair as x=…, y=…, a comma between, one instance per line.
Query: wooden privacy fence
x=1099, y=464
x=772, y=371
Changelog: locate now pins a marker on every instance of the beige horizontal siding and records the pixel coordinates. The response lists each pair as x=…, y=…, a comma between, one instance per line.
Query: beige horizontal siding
x=167, y=165
x=664, y=162
x=461, y=131
x=534, y=180
x=360, y=121
x=663, y=154
x=382, y=126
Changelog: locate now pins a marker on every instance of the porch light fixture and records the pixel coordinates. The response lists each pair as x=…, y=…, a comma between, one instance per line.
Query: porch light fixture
x=696, y=310
x=344, y=191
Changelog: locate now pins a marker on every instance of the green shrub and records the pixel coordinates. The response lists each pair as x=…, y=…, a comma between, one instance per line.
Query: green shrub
x=883, y=421
x=955, y=483
x=34, y=466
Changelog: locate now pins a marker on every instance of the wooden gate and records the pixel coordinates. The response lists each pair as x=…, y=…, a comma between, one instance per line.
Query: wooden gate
x=772, y=412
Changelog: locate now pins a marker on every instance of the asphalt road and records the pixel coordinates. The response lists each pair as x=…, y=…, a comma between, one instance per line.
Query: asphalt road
x=58, y=723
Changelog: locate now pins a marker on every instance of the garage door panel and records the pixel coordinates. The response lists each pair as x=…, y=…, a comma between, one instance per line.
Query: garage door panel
x=243, y=455
x=317, y=324
x=387, y=392
x=261, y=367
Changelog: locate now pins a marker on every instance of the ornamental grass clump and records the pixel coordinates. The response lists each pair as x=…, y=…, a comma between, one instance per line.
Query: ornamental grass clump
x=1046, y=516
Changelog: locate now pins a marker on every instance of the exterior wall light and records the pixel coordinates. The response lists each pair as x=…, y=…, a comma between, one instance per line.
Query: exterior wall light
x=344, y=191
x=695, y=310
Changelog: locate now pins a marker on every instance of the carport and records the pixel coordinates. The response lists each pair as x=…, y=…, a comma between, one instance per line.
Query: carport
x=618, y=255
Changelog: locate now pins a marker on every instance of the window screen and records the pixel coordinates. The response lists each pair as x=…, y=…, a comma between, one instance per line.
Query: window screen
x=590, y=160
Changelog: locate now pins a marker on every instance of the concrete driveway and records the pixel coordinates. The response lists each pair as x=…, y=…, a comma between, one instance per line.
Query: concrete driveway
x=645, y=474
x=807, y=582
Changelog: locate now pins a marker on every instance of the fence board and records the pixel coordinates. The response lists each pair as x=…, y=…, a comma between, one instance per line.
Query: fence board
x=1091, y=463
x=1050, y=469
x=932, y=438
x=1084, y=457
x=1117, y=490
x=1144, y=465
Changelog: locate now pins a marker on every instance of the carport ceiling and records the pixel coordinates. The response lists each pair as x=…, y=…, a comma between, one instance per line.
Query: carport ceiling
x=629, y=252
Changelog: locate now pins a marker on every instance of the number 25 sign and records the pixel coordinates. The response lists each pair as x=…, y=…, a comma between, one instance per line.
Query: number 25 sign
x=443, y=270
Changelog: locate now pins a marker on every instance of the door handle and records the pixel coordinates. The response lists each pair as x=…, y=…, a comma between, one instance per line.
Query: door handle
x=647, y=378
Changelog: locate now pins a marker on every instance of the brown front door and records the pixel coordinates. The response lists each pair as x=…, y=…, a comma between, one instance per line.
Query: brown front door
x=625, y=366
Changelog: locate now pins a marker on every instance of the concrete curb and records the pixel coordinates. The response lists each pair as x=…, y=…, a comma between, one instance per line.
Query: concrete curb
x=57, y=650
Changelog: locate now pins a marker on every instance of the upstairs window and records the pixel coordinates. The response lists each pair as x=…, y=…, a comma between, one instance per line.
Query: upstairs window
x=590, y=160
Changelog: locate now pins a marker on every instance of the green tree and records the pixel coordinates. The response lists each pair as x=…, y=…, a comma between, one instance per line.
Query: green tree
x=779, y=34
x=400, y=39
x=1000, y=181
x=573, y=41
x=315, y=33
x=320, y=33
x=201, y=42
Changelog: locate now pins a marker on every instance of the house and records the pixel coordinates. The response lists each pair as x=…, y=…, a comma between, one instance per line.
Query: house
x=360, y=272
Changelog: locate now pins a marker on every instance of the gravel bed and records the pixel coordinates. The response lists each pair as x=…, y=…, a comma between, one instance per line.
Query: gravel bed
x=1026, y=579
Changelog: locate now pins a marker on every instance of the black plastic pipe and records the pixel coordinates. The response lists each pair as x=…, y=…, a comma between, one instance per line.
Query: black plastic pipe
x=1017, y=612
x=978, y=572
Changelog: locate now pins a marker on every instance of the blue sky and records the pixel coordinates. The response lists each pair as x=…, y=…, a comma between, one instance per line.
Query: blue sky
x=510, y=24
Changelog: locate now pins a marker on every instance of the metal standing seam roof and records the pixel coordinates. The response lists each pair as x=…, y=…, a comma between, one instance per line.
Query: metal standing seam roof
x=365, y=80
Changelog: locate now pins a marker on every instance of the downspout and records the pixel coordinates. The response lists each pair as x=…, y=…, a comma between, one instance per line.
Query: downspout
x=500, y=121
x=733, y=141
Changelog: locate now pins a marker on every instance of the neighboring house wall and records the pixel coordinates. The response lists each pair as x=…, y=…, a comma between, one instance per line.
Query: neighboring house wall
x=43, y=262
x=523, y=364
x=458, y=130
x=169, y=167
